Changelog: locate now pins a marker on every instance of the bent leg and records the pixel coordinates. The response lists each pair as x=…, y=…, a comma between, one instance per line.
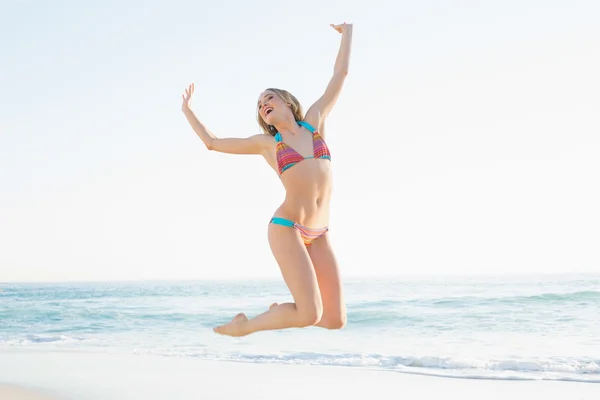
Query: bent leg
x=330, y=283
x=299, y=275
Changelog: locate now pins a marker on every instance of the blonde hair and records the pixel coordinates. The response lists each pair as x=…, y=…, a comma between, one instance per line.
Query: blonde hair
x=290, y=99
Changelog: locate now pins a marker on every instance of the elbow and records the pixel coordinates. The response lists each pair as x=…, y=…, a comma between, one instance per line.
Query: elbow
x=342, y=71
x=209, y=144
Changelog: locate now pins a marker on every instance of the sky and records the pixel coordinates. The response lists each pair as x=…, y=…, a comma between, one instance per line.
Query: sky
x=465, y=141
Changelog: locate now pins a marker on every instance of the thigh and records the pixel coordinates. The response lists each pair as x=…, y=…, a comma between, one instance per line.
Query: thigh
x=295, y=265
x=328, y=278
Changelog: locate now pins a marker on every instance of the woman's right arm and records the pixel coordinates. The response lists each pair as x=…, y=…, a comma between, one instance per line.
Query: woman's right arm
x=256, y=144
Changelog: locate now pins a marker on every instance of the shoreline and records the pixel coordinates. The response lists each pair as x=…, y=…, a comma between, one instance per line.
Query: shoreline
x=425, y=372
x=96, y=376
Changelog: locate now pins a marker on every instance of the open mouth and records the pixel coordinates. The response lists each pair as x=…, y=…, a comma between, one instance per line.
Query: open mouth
x=268, y=110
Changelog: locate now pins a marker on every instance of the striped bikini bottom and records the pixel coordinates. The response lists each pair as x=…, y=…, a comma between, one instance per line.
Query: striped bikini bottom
x=308, y=235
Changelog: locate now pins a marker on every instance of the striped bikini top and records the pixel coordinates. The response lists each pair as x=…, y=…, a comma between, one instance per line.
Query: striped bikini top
x=288, y=157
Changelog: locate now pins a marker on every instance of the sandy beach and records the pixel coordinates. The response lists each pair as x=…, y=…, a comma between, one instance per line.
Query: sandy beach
x=10, y=392
x=94, y=376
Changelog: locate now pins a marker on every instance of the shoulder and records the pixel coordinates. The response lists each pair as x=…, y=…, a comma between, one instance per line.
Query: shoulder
x=264, y=141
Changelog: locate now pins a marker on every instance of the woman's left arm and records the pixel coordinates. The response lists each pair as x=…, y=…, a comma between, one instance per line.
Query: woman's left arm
x=321, y=108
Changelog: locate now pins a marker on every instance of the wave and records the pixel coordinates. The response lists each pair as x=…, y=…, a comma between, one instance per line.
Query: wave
x=34, y=339
x=468, y=301
x=584, y=370
x=557, y=364
x=584, y=295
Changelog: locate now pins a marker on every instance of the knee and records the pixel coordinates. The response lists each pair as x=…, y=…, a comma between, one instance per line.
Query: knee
x=337, y=322
x=310, y=315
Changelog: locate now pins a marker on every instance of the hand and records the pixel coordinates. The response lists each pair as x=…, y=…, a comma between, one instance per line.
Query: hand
x=187, y=97
x=342, y=27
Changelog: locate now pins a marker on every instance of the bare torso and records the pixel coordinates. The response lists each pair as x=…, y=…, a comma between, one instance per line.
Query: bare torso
x=308, y=185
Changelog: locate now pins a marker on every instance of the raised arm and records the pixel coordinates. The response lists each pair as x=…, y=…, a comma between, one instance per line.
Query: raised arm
x=321, y=108
x=256, y=144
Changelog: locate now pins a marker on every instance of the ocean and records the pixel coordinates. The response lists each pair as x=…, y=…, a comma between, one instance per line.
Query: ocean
x=496, y=327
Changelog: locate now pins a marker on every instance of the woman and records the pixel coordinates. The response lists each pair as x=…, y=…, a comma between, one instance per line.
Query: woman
x=293, y=145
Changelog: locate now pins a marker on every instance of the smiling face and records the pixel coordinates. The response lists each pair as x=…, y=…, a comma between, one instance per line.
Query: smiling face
x=270, y=104
x=274, y=105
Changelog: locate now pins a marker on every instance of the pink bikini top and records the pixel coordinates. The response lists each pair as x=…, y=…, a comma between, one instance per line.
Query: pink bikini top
x=287, y=157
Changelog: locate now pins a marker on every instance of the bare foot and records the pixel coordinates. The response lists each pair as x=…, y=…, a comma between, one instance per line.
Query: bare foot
x=234, y=327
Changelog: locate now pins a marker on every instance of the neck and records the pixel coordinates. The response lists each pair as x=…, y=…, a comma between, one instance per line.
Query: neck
x=289, y=125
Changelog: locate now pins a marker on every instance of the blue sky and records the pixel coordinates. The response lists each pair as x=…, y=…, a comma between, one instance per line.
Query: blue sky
x=465, y=141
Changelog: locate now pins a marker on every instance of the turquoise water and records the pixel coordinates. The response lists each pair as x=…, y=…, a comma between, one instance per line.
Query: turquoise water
x=534, y=327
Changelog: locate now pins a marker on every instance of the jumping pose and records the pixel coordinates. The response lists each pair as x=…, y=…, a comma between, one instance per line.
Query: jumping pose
x=294, y=145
